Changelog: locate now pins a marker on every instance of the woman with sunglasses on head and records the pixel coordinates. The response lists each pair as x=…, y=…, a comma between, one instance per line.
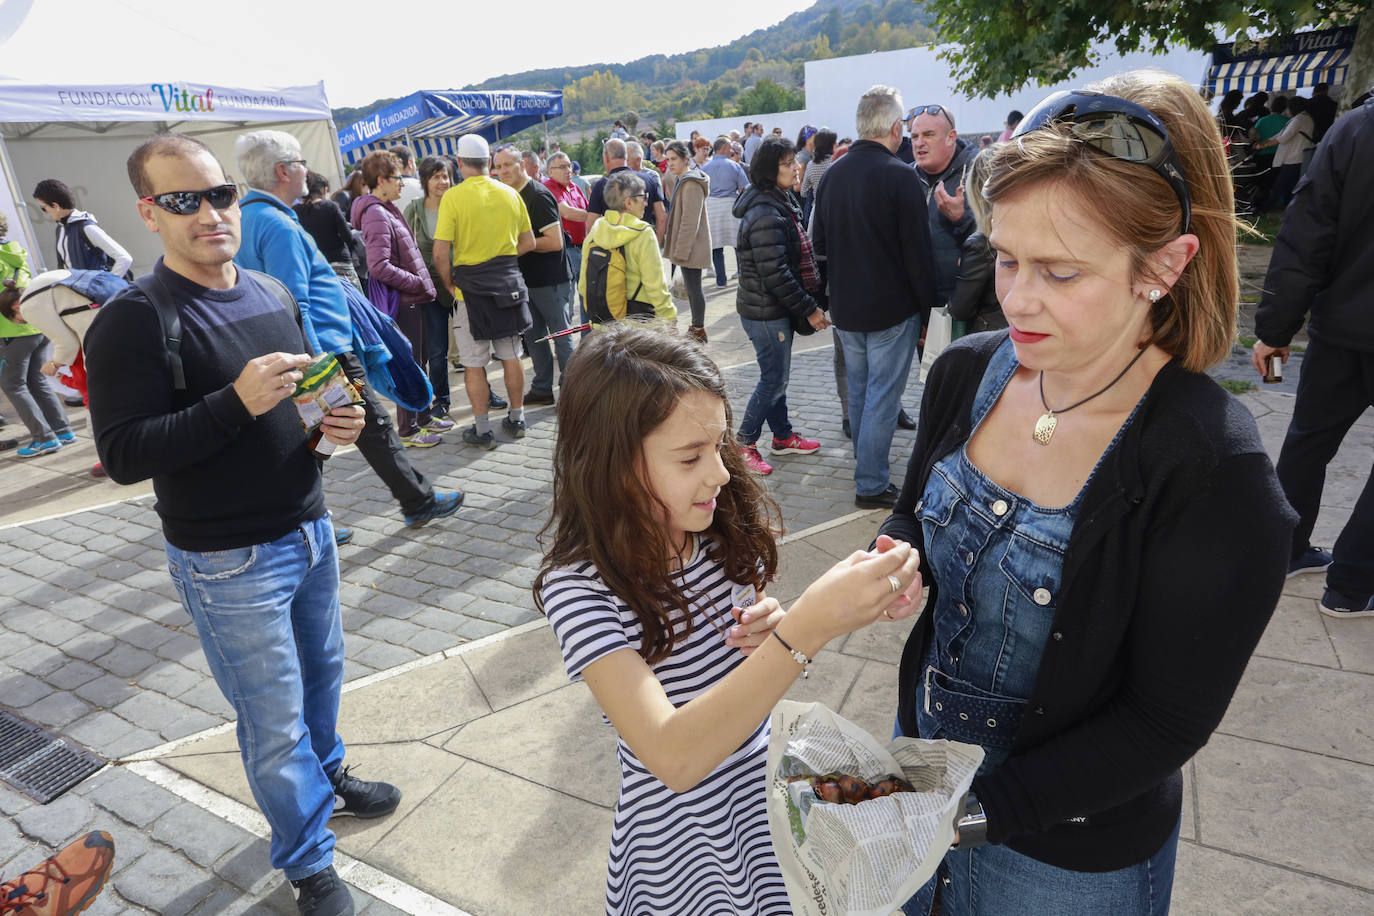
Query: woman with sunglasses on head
x=1101, y=529
x=398, y=280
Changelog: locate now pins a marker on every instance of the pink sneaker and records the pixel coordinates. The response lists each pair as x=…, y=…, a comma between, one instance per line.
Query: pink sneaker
x=795, y=443
x=755, y=460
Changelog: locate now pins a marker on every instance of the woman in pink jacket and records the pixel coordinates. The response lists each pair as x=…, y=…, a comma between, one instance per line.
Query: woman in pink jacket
x=398, y=281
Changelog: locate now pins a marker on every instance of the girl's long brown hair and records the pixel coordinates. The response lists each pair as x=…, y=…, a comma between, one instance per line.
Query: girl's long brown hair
x=622, y=382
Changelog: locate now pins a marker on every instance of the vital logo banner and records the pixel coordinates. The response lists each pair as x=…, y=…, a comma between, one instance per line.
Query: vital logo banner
x=178, y=101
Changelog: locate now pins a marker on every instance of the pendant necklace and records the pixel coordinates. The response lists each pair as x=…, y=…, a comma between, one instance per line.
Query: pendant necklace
x=1044, y=427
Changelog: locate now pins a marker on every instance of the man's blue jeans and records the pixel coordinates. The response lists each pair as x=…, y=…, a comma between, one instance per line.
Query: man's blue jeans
x=549, y=306
x=876, y=366
x=772, y=342
x=268, y=620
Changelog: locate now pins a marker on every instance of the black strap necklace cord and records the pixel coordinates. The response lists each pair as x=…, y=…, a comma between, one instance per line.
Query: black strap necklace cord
x=1044, y=427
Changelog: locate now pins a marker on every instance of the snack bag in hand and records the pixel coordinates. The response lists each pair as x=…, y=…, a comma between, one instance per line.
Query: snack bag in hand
x=322, y=388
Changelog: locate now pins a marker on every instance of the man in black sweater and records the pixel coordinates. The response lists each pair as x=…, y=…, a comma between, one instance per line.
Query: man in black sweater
x=870, y=224
x=249, y=543
x=1323, y=261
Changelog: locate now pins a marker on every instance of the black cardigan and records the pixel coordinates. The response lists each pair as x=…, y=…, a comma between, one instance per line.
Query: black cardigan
x=1173, y=569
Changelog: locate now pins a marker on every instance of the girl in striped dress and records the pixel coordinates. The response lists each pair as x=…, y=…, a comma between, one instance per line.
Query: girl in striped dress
x=663, y=544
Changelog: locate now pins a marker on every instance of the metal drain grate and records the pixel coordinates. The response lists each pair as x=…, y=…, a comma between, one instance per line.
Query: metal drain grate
x=38, y=763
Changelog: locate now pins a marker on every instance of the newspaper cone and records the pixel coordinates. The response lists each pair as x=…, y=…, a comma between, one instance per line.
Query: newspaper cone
x=870, y=858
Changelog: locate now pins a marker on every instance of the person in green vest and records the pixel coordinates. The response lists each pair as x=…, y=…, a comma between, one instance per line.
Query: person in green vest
x=23, y=351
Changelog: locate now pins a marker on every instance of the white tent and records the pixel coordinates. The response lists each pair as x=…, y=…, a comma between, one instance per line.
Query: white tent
x=83, y=135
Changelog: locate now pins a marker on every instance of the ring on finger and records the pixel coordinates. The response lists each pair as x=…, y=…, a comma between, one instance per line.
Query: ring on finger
x=895, y=583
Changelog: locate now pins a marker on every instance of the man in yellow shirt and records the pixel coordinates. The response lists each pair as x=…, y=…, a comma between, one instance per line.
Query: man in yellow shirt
x=482, y=228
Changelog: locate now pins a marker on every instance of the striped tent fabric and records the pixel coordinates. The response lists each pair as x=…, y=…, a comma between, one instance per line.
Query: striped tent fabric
x=700, y=852
x=431, y=121
x=1280, y=72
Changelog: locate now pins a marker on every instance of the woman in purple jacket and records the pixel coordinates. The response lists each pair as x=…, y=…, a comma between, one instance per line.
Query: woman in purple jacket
x=398, y=281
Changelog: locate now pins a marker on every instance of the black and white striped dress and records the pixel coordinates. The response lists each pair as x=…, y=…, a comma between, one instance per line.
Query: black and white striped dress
x=706, y=851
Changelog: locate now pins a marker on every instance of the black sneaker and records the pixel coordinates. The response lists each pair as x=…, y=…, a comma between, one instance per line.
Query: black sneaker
x=358, y=798
x=486, y=440
x=496, y=402
x=1336, y=604
x=1313, y=560
x=884, y=499
x=514, y=428
x=323, y=894
x=538, y=399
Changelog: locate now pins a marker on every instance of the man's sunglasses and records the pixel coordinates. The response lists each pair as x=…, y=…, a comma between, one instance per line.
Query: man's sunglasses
x=930, y=110
x=1115, y=127
x=185, y=203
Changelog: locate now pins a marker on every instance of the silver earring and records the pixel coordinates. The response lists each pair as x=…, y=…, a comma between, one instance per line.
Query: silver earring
x=1154, y=295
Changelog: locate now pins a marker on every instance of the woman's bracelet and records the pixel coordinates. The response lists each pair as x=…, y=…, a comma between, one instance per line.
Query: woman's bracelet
x=797, y=655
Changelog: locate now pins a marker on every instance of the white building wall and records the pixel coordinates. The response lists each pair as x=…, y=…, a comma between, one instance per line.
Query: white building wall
x=833, y=88
x=791, y=123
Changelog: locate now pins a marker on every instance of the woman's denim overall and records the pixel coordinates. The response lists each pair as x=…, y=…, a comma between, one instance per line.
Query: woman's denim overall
x=998, y=559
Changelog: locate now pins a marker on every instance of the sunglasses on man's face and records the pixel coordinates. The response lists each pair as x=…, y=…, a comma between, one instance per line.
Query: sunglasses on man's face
x=185, y=203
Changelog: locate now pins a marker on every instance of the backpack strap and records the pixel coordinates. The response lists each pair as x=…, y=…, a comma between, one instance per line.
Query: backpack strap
x=169, y=322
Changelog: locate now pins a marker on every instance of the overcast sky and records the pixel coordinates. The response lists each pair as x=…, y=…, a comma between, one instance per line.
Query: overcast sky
x=362, y=51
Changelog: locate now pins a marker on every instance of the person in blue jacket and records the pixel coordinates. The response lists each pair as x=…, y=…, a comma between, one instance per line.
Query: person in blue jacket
x=275, y=242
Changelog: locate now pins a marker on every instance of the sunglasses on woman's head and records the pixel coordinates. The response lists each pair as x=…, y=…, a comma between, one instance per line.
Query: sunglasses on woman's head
x=185, y=203
x=1115, y=127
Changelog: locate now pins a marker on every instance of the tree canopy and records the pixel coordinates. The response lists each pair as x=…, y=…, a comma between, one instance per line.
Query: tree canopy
x=1001, y=45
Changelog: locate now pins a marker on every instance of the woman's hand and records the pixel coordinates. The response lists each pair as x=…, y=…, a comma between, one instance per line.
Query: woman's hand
x=753, y=624
x=818, y=320
x=49, y=368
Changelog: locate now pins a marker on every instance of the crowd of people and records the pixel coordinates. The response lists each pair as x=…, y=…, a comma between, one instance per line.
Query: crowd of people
x=1271, y=139
x=1098, y=577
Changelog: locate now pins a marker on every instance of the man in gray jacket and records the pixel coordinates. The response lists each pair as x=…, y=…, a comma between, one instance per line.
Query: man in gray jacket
x=1323, y=263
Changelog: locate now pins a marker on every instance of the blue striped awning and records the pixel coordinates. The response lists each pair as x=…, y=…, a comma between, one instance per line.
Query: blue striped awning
x=435, y=120
x=1280, y=72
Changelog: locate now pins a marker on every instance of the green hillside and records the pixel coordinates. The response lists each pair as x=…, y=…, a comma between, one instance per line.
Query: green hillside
x=759, y=72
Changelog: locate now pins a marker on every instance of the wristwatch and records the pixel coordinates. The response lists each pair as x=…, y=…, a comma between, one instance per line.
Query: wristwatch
x=972, y=828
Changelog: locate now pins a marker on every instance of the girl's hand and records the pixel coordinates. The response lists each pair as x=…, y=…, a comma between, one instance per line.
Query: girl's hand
x=857, y=591
x=753, y=624
x=49, y=368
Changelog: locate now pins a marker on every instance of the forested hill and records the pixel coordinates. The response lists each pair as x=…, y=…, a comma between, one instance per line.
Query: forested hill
x=759, y=72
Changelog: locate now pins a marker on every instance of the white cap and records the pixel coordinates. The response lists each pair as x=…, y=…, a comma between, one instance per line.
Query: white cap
x=472, y=146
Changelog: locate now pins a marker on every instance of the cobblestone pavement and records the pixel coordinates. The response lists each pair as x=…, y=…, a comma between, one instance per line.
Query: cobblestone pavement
x=99, y=650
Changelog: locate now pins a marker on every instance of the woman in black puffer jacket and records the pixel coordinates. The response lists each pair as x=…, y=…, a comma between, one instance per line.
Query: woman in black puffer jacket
x=779, y=292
